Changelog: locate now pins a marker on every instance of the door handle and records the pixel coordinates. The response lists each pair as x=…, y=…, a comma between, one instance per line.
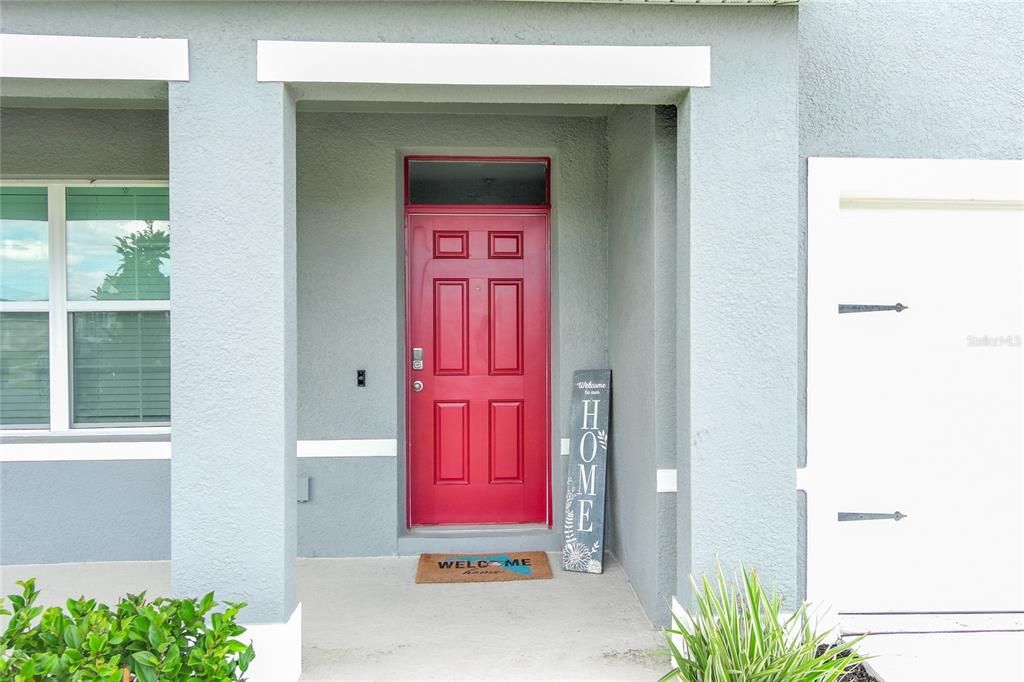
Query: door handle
x=417, y=386
x=860, y=308
x=870, y=516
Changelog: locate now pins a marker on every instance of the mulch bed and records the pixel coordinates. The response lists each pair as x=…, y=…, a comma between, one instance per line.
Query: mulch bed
x=855, y=673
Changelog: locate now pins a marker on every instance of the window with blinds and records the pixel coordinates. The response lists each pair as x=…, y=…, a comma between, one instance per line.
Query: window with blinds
x=24, y=252
x=118, y=245
x=121, y=367
x=24, y=321
x=102, y=303
x=24, y=369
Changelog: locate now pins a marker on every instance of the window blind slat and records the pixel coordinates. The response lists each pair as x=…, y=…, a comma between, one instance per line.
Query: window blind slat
x=24, y=369
x=121, y=368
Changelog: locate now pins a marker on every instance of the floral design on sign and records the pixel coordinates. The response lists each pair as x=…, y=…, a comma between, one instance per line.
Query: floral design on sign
x=577, y=555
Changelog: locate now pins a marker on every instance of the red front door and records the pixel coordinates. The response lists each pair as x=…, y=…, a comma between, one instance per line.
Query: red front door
x=478, y=408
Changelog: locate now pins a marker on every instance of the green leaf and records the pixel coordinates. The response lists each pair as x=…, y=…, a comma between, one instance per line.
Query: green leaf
x=246, y=657
x=71, y=637
x=146, y=658
x=156, y=638
x=187, y=609
x=737, y=633
x=172, y=661
x=145, y=673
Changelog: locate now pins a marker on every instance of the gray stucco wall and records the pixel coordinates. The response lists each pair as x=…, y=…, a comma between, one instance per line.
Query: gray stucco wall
x=83, y=143
x=349, y=299
x=738, y=388
x=351, y=268
x=927, y=79
x=641, y=197
x=54, y=512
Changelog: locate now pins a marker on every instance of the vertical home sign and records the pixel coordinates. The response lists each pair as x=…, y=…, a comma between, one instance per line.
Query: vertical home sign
x=583, y=535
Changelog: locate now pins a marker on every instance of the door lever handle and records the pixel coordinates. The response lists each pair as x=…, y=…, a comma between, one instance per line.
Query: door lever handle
x=870, y=516
x=860, y=308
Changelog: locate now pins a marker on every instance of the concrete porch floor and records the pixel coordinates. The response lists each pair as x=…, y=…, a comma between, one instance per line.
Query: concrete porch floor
x=366, y=619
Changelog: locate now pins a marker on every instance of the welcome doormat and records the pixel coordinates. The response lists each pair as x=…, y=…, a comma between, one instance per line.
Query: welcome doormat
x=482, y=568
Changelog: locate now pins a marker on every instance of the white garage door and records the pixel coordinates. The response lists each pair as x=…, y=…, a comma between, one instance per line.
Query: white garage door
x=915, y=471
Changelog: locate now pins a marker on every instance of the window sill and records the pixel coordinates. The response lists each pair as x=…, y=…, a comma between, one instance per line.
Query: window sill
x=128, y=443
x=87, y=435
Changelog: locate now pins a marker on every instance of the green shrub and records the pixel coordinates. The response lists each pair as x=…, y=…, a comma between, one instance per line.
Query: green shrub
x=163, y=639
x=739, y=634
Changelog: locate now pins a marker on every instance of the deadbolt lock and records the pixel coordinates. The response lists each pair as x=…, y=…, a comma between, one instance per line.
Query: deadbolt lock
x=417, y=358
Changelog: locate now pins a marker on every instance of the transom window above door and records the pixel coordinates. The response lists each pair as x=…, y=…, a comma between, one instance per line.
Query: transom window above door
x=478, y=181
x=84, y=306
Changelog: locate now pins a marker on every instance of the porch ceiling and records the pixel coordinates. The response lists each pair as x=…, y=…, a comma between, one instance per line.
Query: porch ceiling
x=58, y=93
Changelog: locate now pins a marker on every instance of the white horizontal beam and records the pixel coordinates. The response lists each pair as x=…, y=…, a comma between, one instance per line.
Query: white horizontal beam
x=57, y=449
x=94, y=58
x=483, y=65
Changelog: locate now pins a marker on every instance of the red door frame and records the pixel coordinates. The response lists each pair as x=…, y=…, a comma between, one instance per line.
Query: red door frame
x=469, y=209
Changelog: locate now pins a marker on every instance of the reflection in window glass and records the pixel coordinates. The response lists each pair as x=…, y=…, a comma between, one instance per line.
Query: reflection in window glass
x=118, y=243
x=121, y=367
x=23, y=244
x=24, y=369
x=477, y=182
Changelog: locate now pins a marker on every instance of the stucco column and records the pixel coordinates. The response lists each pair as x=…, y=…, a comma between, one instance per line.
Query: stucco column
x=737, y=318
x=233, y=346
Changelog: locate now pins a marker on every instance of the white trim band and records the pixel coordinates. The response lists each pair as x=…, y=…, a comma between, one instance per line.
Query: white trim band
x=371, y=447
x=80, y=57
x=58, y=450
x=483, y=64
x=667, y=482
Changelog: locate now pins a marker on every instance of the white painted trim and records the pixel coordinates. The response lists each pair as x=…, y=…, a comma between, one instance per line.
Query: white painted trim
x=94, y=58
x=369, y=447
x=278, y=649
x=56, y=449
x=24, y=306
x=60, y=344
x=856, y=623
x=866, y=181
x=679, y=612
x=667, y=481
x=483, y=65
x=84, y=182
x=564, y=447
x=118, y=306
x=94, y=432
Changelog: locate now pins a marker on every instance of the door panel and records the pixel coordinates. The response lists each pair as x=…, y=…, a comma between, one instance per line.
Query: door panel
x=917, y=412
x=478, y=308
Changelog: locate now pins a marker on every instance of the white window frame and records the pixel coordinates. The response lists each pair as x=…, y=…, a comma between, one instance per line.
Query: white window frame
x=59, y=308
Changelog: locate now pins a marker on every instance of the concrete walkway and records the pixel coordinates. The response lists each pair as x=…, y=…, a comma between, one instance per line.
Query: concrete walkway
x=366, y=619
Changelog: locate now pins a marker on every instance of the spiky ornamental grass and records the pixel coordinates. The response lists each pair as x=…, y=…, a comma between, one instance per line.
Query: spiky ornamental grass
x=739, y=634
